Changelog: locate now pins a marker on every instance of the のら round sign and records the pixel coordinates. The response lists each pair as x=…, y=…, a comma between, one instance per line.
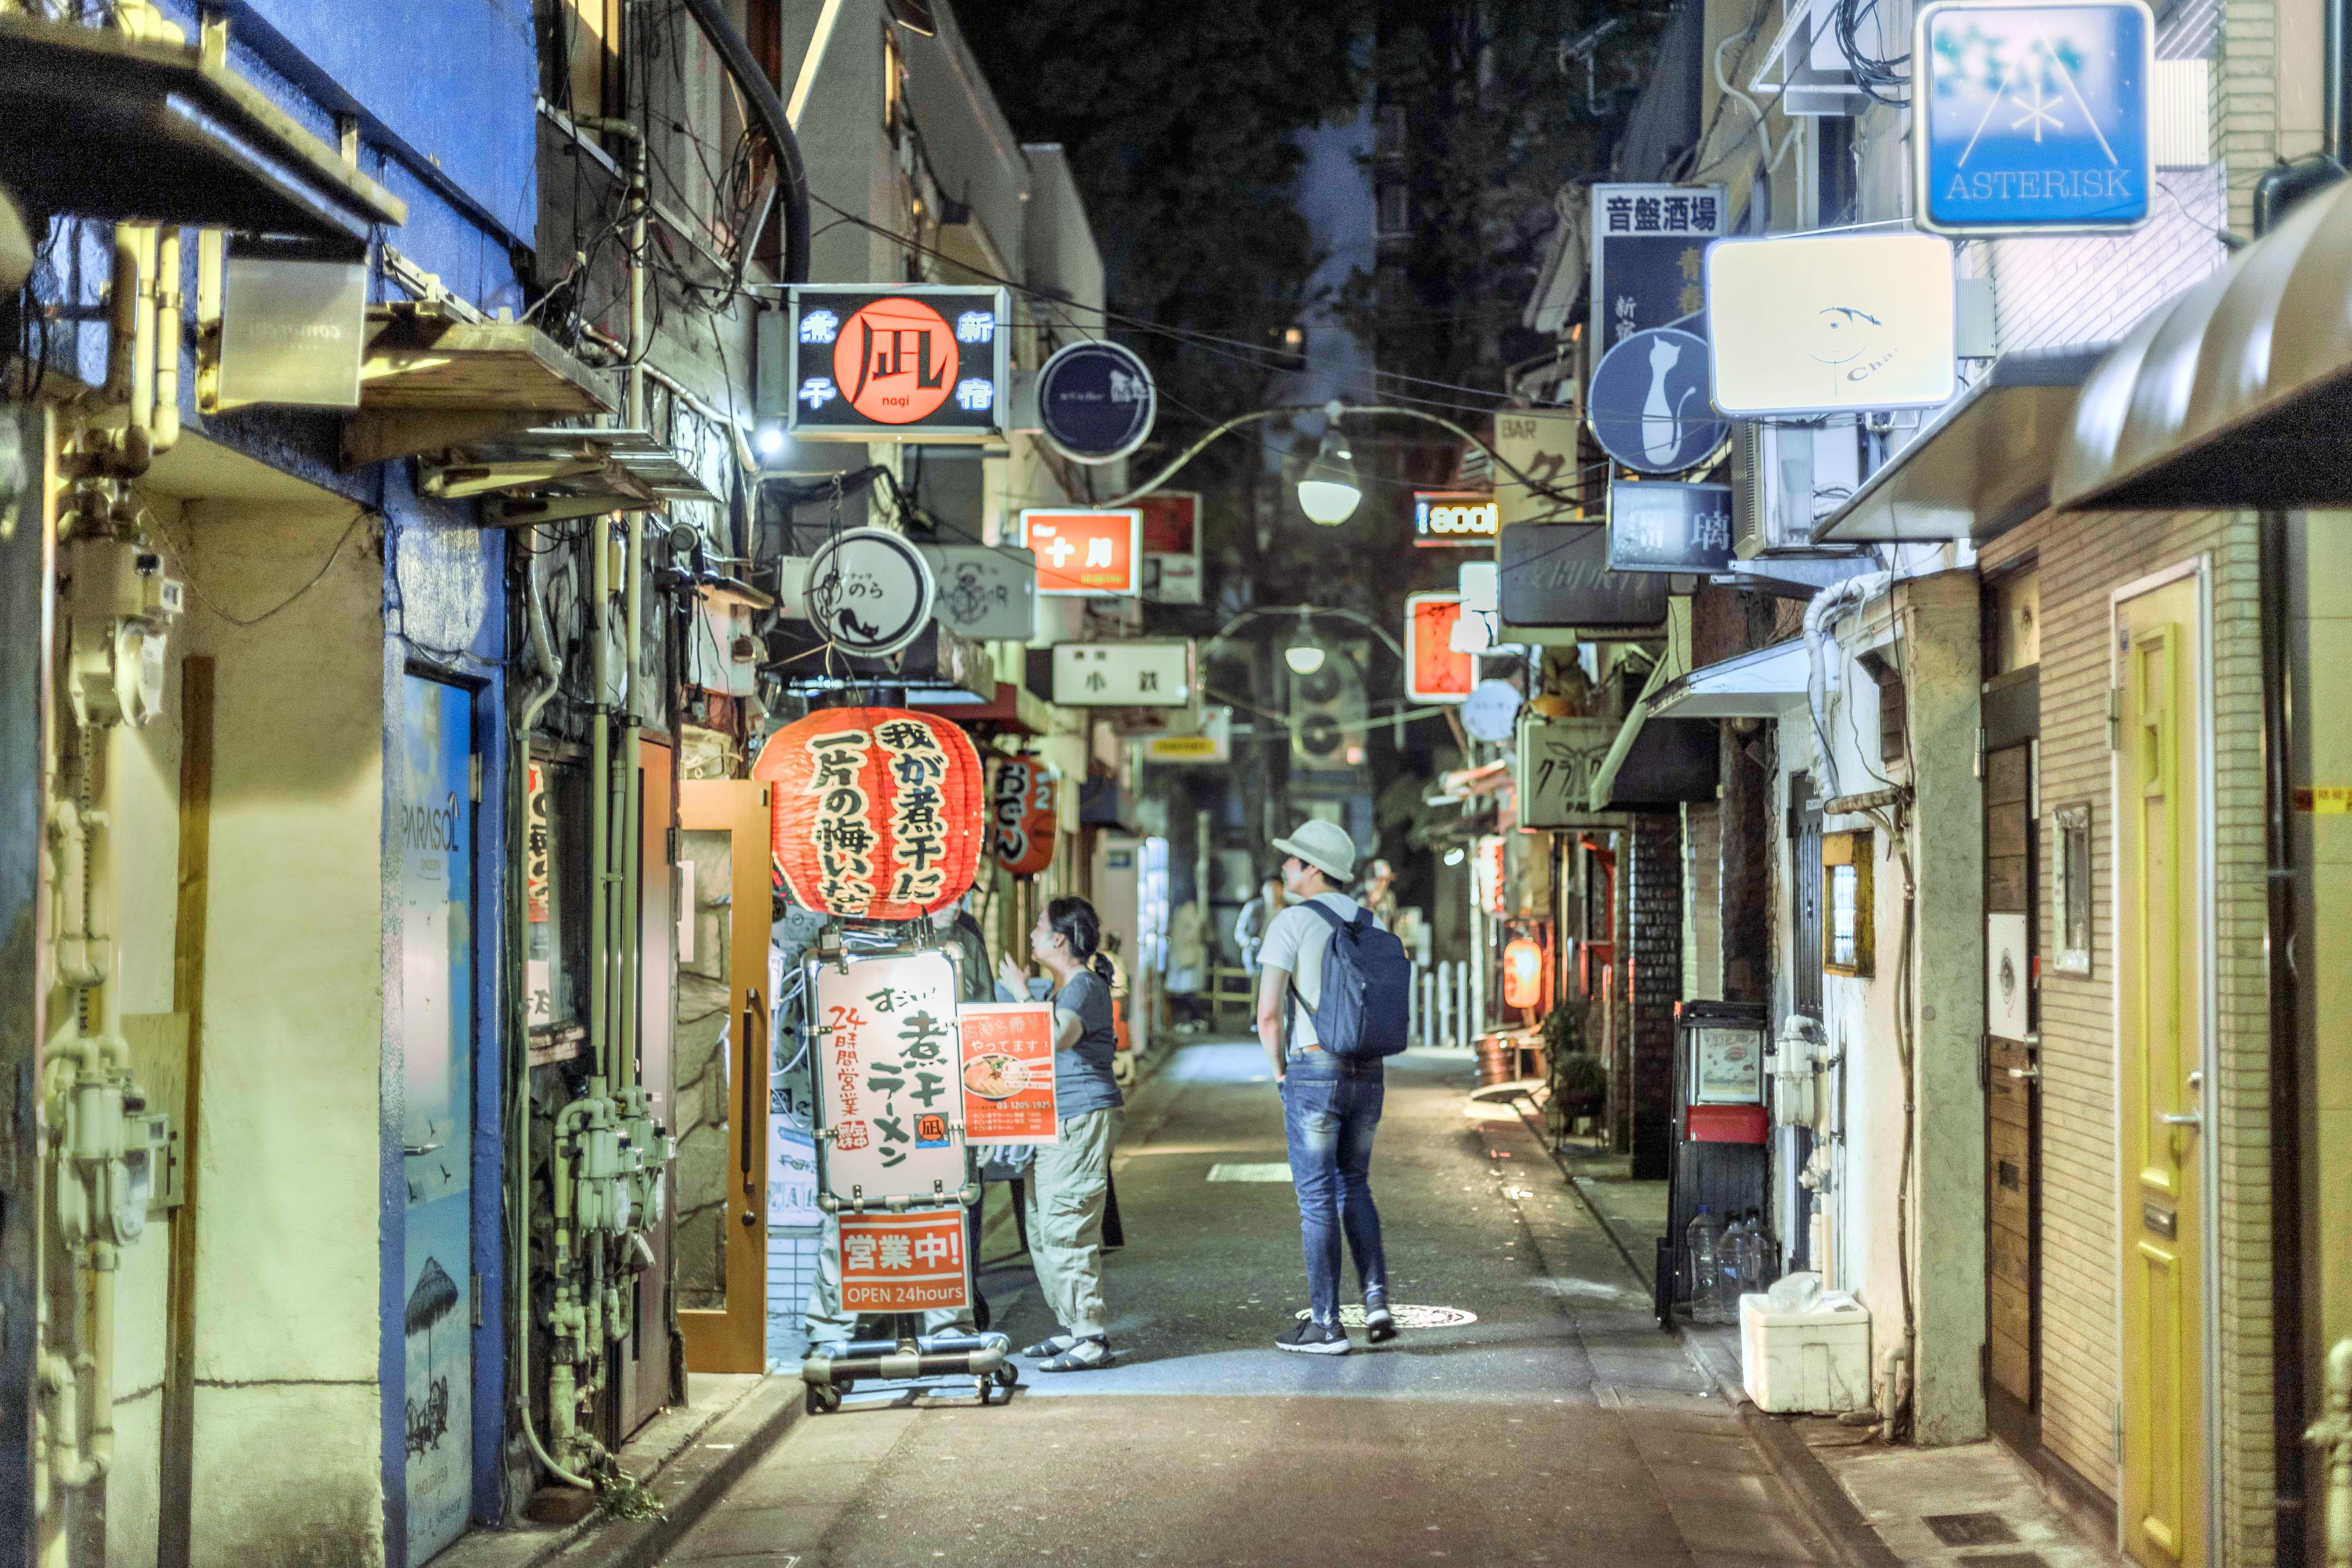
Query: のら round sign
x=895, y=360
x=869, y=592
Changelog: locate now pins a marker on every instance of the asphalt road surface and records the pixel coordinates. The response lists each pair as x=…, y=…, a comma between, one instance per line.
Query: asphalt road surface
x=1559, y=1427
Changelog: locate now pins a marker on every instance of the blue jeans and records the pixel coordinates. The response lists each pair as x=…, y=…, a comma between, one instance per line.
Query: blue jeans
x=1330, y=1107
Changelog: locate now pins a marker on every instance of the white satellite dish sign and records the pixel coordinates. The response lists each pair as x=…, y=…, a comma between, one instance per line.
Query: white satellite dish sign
x=1830, y=323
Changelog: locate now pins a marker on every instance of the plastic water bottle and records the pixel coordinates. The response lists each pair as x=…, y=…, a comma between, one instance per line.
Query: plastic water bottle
x=1763, y=1265
x=1734, y=1268
x=1699, y=1245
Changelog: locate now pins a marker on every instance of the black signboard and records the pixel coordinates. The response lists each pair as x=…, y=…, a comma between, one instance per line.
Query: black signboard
x=1556, y=574
x=1096, y=402
x=1649, y=245
x=1659, y=527
x=918, y=363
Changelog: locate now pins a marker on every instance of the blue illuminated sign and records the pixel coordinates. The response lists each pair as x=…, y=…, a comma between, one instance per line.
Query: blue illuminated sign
x=2036, y=118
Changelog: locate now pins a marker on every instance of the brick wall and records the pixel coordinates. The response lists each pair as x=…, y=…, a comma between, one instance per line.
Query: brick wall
x=2082, y=560
x=1702, y=903
x=1655, y=900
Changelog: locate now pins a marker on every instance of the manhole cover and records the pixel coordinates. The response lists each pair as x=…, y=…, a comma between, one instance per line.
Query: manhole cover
x=1970, y=1528
x=1406, y=1317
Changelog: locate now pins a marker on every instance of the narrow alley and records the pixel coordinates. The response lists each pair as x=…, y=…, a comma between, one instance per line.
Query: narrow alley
x=1558, y=1427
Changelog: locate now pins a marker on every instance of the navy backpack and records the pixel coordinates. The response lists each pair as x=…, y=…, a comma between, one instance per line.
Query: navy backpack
x=1367, y=1001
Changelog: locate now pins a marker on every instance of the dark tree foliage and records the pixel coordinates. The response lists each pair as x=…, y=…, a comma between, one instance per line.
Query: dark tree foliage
x=1496, y=117
x=1180, y=124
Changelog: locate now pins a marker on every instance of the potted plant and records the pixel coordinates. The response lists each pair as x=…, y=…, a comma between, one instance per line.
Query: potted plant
x=1580, y=1084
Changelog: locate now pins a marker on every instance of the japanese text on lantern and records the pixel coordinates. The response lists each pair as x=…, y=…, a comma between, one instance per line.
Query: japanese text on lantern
x=844, y=839
x=1009, y=809
x=917, y=828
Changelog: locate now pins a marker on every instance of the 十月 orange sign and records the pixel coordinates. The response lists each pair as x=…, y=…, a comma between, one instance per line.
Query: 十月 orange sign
x=1081, y=552
x=1433, y=671
x=895, y=360
x=904, y=1262
x=1008, y=1073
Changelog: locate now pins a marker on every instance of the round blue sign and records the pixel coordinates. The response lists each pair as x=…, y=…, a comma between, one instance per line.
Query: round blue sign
x=1096, y=402
x=1649, y=407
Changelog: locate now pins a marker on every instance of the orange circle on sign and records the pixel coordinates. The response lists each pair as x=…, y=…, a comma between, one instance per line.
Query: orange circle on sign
x=895, y=360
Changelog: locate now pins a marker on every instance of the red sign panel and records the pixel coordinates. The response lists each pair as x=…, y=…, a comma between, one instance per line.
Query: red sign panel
x=895, y=360
x=1433, y=671
x=904, y=1263
x=877, y=811
x=1170, y=522
x=1085, y=552
x=1024, y=814
x=1008, y=1073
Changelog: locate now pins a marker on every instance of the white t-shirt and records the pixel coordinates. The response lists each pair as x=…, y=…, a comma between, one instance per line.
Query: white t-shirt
x=1296, y=940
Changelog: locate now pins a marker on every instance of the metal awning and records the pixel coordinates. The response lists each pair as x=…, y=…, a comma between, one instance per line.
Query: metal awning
x=434, y=373
x=1980, y=467
x=137, y=128
x=1760, y=685
x=2238, y=393
x=545, y=476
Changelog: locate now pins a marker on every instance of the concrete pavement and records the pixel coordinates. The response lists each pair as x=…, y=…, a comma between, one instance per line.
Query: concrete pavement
x=1561, y=1427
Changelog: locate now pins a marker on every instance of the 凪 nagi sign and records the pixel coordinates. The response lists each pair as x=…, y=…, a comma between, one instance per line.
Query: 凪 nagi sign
x=918, y=363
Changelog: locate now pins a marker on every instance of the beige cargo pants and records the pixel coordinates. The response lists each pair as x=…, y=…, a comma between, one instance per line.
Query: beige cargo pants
x=1068, y=1186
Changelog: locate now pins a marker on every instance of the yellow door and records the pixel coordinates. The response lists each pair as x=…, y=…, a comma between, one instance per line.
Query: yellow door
x=2159, y=980
x=721, y=1068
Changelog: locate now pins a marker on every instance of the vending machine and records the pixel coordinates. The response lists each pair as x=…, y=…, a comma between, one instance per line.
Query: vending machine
x=1721, y=1126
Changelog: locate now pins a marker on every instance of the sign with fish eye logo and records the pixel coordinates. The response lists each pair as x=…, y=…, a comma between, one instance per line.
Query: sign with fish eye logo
x=1649, y=407
x=1830, y=323
x=921, y=363
x=2035, y=118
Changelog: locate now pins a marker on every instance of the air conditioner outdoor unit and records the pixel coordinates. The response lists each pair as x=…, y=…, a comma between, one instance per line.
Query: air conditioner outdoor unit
x=1784, y=480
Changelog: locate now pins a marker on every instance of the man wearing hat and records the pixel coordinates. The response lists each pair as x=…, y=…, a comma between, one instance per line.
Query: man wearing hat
x=1330, y=1105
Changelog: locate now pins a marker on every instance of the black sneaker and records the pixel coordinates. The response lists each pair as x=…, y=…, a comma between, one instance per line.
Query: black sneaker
x=1309, y=1337
x=1379, y=1326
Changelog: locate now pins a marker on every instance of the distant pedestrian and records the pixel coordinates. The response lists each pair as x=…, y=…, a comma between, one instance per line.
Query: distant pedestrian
x=1379, y=893
x=1069, y=1181
x=1250, y=925
x=1330, y=1104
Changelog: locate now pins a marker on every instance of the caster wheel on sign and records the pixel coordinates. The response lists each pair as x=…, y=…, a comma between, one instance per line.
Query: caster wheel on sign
x=986, y=1391
x=1008, y=1375
x=822, y=1400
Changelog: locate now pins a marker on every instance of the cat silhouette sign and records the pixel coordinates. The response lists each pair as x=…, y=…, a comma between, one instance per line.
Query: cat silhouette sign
x=1649, y=407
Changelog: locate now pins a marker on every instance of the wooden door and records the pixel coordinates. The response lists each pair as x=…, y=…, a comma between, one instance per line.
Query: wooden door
x=720, y=1065
x=2012, y=1099
x=2160, y=991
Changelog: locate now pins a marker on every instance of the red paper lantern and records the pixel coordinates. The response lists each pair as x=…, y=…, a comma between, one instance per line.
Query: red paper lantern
x=877, y=811
x=1024, y=814
x=1522, y=972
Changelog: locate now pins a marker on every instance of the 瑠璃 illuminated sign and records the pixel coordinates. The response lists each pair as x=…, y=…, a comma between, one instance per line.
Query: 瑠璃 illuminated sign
x=919, y=363
x=1454, y=517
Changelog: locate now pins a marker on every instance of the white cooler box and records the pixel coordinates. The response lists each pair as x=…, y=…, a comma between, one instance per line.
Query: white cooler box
x=1816, y=1361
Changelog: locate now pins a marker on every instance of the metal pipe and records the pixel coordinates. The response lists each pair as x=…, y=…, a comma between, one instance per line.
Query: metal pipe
x=2289, y=1241
x=760, y=96
x=600, y=805
x=167, y=340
